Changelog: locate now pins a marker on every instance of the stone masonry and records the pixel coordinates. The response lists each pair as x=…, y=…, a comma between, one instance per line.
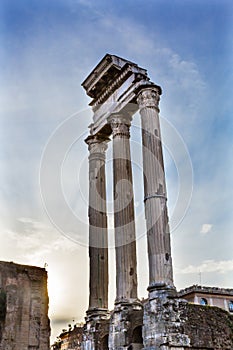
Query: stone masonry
x=24, y=322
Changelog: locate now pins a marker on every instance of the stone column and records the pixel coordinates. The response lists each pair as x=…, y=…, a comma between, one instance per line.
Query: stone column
x=98, y=235
x=127, y=305
x=158, y=236
x=162, y=325
x=125, y=244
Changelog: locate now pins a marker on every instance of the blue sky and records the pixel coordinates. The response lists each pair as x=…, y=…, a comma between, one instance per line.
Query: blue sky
x=47, y=50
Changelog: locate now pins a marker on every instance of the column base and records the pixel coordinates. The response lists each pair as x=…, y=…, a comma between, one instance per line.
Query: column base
x=162, y=324
x=96, y=329
x=126, y=325
x=161, y=288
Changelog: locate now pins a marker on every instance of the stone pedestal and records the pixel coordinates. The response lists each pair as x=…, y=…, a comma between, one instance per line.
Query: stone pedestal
x=96, y=330
x=125, y=319
x=163, y=324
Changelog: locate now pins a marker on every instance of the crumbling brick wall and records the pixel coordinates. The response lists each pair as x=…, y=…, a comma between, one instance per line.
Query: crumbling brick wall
x=24, y=322
x=208, y=327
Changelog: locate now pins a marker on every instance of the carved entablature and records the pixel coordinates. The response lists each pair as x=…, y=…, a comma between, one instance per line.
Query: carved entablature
x=113, y=85
x=106, y=73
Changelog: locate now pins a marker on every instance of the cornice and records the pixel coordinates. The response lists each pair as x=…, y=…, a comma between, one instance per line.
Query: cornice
x=107, y=63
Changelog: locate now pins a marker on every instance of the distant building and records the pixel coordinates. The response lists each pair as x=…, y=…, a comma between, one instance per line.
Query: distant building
x=212, y=296
x=69, y=339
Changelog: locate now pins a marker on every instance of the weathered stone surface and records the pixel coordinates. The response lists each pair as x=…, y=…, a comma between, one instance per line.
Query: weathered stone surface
x=24, y=324
x=162, y=322
x=158, y=234
x=97, y=313
x=95, y=332
x=208, y=327
x=98, y=235
x=124, y=223
x=112, y=86
x=126, y=327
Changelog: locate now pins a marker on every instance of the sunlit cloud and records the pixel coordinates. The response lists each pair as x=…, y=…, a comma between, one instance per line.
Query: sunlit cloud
x=37, y=240
x=206, y=228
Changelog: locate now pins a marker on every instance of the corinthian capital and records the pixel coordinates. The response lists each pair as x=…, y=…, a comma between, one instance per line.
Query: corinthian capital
x=97, y=144
x=120, y=124
x=149, y=97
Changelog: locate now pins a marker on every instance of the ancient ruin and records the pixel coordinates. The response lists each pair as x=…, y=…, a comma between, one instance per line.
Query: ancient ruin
x=118, y=89
x=24, y=322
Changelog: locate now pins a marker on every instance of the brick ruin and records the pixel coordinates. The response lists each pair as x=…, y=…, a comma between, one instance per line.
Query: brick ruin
x=24, y=322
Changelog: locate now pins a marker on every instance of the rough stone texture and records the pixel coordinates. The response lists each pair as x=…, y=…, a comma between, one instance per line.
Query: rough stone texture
x=172, y=323
x=175, y=320
x=208, y=327
x=126, y=327
x=95, y=333
x=24, y=325
x=162, y=322
x=125, y=318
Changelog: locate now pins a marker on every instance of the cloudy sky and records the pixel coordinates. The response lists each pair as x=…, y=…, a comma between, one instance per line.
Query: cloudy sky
x=47, y=49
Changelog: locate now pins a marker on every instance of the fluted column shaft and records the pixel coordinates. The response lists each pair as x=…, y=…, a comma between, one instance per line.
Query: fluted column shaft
x=158, y=235
x=98, y=235
x=126, y=264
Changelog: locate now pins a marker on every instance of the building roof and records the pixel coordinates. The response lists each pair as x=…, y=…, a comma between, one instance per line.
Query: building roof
x=205, y=290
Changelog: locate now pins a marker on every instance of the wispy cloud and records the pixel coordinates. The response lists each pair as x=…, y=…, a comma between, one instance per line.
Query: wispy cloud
x=37, y=240
x=222, y=266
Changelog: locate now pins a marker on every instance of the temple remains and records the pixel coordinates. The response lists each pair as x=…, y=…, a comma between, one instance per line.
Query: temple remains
x=118, y=89
x=24, y=322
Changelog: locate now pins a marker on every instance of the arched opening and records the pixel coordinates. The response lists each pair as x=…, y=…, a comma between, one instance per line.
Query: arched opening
x=105, y=342
x=203, y=301
x=230, y=306
x=137, y=341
